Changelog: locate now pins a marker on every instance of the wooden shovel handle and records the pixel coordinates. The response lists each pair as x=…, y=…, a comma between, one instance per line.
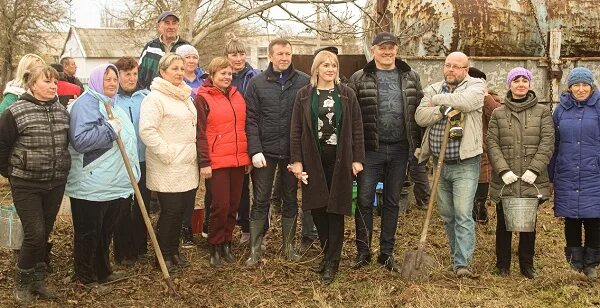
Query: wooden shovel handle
x=140, y=202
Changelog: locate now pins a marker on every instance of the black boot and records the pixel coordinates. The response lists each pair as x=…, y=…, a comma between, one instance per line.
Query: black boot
x=528, y=271
x=215, y=255
x=257, y=229
x=319, y=268
x=39, y=282
x=47, y=256
x=330, y=270
x=591, y=258
x=288, y=228
x=226, y=252
x=574, y=256
x=180, y=261
x=24, y=285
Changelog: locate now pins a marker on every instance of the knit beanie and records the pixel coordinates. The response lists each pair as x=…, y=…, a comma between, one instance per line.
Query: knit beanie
x=516, y=72
x=580, y=75
x=186, y=50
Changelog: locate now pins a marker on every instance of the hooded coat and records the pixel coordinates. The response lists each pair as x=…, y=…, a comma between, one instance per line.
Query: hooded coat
x=350, y=148
x=520, y=137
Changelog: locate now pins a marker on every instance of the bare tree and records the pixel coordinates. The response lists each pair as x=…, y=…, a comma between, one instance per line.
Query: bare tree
x=22, y=25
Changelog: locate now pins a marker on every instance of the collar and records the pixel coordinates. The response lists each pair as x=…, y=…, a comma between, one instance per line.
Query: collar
x=401, y=66
x=162, y=42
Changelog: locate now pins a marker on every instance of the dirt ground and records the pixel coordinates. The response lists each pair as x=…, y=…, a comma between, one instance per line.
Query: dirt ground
x=278, y=283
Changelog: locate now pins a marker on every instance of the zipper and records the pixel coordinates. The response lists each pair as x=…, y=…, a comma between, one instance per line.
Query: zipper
x=214, y=142
x=130, y=114
x=234, y=130
x=53, y=143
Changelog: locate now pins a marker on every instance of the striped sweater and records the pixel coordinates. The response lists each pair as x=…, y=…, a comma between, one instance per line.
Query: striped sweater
x=151, y=54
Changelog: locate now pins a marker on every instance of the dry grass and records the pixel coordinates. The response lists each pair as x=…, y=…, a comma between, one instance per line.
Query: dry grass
x=278, y=283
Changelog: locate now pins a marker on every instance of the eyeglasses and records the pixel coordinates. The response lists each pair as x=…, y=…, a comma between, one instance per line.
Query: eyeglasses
x=453, y=66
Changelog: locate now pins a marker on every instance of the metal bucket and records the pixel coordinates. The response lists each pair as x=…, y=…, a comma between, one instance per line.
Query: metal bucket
x=520, y=214
x=11, y=230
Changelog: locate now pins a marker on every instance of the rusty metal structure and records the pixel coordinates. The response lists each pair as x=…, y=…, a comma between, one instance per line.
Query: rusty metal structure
x=498, y=35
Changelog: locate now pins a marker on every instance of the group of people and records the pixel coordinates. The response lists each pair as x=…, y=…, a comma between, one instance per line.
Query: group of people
x=232, y=124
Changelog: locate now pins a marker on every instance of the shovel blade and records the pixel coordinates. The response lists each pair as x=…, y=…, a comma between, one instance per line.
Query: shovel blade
x=417, y=266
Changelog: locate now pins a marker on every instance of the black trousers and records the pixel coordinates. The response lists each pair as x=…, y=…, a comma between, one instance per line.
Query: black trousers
x=37, y=205
x=94, y=223
x=330, y=226
x=173, y=206
x=131, y=236
x=574, y=236
x=504, y=239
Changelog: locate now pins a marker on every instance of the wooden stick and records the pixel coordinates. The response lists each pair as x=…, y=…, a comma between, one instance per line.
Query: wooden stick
x=140, y=202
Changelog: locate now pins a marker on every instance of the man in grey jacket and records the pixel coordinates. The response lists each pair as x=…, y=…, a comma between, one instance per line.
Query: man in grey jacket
x=458, y=97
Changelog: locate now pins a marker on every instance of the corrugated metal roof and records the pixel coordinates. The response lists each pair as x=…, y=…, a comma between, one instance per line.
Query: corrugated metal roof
x=113, y=43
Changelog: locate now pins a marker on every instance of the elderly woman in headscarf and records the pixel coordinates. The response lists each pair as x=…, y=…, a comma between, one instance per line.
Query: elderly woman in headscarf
x=98, y=184
x=575, y=168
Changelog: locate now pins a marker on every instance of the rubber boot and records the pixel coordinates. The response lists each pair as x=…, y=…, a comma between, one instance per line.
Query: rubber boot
x=331, y=268
x=47, y=256
x=24, y=285
x=288, y=227
x=591, y=258
x=226, y=252
x=574, y=256
x=39, y=282
x=215, y=255
x=257, y=229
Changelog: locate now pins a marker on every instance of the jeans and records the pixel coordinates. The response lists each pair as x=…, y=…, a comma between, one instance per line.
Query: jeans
x=418, y=175
x=391, y=160
x=93, y=224
x=455, y=193
x=173, y=206
x=37, y=207
x=262, y=184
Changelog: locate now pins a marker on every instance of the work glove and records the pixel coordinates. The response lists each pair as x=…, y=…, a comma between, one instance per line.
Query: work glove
x=509, y=177
x=445, y=110
x=529, y=177
x=116, y=126
x=258, y=160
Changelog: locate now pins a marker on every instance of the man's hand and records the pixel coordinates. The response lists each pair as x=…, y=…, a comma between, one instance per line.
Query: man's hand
x=258, y=160
x=417, y=152
x=356, y=168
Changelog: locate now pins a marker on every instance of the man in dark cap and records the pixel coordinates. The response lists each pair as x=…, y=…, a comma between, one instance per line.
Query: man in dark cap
x=167, y=41
x=388, y=91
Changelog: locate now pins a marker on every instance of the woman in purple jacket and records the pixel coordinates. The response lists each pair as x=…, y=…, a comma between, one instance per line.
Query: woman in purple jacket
x=575, y=170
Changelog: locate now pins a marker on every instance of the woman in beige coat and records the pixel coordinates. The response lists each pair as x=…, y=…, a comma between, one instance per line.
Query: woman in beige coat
x=168, y=129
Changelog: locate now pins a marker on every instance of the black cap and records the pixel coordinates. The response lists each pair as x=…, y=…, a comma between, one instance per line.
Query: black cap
x=331, y=49
x=166, y=14
x=475, y=73
x=384, y=37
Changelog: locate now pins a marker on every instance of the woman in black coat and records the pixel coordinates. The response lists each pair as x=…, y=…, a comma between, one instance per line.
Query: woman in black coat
x=326, y=145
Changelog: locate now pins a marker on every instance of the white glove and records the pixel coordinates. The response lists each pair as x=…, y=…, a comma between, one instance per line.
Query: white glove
x=509, y=177
x=116, y=126
x=258, y=160
x=529, y=177
x=304, y=178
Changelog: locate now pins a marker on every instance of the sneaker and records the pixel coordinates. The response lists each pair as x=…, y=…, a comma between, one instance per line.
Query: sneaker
x=244, y=238
x=187, y=238
x=204, y=234
x=465, y=272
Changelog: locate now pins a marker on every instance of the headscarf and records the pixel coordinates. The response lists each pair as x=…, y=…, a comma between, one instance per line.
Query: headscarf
x=96, y=81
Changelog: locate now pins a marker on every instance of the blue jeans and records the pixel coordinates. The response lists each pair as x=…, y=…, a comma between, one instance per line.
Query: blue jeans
x=391, y=161
x=455, y=193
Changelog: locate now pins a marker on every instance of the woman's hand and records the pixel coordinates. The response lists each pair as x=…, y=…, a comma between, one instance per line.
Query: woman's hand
x=206, y=172
x=356, y=168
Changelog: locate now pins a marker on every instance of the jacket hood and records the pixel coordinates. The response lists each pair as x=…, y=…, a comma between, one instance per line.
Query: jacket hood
x=517, y=107
x=400, y=65
x=13, y=88
x=181, y=92
x=567, y=100
x=27, y=96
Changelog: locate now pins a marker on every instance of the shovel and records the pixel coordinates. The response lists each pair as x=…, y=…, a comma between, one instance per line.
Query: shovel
x=417, y=263
x=138, y=196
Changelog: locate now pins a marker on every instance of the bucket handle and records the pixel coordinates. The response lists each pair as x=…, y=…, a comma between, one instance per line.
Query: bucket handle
x=539, y=195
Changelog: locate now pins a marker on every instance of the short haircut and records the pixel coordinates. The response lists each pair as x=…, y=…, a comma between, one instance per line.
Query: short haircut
x=234, y=46
x=167, y=60
x=278, y=41
x=126, y=64
x=38, y=71
x=26, y=63
x=321, y=57
x=65, y=60
x=217, y=64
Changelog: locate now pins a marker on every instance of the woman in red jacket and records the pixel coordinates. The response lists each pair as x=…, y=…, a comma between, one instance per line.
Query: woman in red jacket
x=222, y=153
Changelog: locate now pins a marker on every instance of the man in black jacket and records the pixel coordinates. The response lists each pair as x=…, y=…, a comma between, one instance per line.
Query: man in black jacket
x=389, y=92
x=270, y=98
